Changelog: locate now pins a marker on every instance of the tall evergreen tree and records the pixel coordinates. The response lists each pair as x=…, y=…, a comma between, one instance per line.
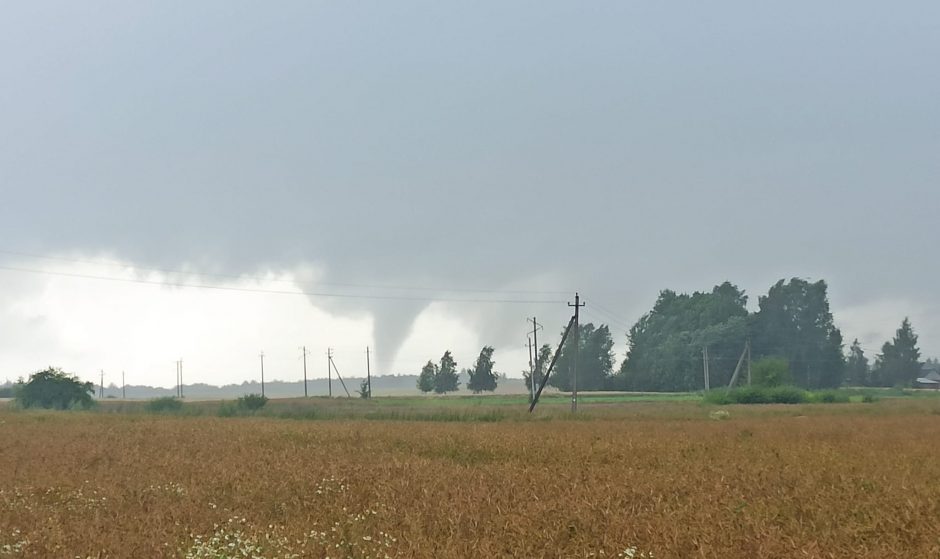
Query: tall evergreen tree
x=857, y=369
x=482, y=377
x=426, y=378
x=445, y=378
x=794, y=322
x=899, y=363
x=595, y=360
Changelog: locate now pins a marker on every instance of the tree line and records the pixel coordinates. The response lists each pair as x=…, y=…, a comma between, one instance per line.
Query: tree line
x=793, y=340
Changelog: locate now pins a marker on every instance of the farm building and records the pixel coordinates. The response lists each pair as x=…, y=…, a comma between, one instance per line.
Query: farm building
x=929, y=377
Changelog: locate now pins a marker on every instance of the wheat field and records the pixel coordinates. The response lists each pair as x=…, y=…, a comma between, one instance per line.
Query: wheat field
x=860, y=481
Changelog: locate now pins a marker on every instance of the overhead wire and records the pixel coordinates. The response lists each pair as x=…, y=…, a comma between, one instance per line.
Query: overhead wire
x=279, y=280
x=278, y=291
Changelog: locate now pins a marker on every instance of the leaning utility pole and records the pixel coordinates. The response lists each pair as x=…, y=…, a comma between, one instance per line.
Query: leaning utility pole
x=577, y=343
x=262, y=374
x=368, y=373
x=551, y=365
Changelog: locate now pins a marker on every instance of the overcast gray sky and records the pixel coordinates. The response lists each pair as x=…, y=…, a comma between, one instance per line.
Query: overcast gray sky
x=517, y=148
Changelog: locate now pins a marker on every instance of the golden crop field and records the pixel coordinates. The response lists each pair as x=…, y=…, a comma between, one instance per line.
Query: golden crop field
x=859, y=481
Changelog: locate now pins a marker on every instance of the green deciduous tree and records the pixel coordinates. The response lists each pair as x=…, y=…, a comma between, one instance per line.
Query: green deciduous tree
x=426, y=378
x=899, y=363
x=54, y=389
x=482, y=377
x=595, y=360
x=665, y=345
x=542, y=361
x=771, y=371
x=857, y=369
x=445, y=376
x=794, y=322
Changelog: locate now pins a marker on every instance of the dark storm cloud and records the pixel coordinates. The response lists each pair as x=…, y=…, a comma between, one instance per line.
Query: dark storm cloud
x=618, y=148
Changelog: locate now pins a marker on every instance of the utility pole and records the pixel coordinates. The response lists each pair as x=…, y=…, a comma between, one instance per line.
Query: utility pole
x=177, y=363
x=705, y=367
x=262, y=374
x=537, y=369
x=531, y=373
x=181, y=378
x=329, y=370
x=748, y=347
x=368, y=372
x=304, y=349
x=123, y=387
x=101, y=386
x=577, y=343
x=339, y=376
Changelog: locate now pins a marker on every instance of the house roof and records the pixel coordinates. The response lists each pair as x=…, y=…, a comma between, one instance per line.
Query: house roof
x=923, y=380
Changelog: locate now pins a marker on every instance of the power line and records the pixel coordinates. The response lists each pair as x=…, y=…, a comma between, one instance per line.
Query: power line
x=293, y=282
x=280, y=292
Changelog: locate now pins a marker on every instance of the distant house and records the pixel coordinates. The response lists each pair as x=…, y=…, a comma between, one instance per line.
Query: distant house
x=929, y=377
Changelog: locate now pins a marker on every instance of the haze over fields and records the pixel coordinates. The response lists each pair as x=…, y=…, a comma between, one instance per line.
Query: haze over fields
x=419, y=177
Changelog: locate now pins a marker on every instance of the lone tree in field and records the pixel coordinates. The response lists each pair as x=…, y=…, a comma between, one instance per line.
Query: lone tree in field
x=426, y=378
x=54, y=389
x=482, y=377
x=445, y=379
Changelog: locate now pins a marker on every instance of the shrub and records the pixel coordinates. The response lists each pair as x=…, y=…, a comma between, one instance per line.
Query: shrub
x=831, y=397
x=166, y=404
x=251, y=402
x=54, y=389
x=772, y=371
x=758, y=395
x=869, y=398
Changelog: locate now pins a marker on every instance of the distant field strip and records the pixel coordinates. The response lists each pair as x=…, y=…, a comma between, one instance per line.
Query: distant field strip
x=861, y=481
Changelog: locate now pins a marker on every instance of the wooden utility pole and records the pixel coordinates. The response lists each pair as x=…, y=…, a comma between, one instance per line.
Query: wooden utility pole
x=181, y=378
x=537, y=368
x=304, y=349
x=101, y=385
x=123, y=387
x=262, y=374
x=577, y=343
x=368, y=373
x=340, y=377
x=748, y=346
x=531, y=373
x=705, y=367
x=551, y=365
x=329, y=370
x=177, y=378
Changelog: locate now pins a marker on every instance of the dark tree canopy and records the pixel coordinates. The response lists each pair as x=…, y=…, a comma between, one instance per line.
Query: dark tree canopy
x=794, y=322
x=482, y=377
x=899, y=363
x=426, y=378
x=595, y=360
x=665, y=345
x=55, y=389
x=857, y=369
x=445, y=377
